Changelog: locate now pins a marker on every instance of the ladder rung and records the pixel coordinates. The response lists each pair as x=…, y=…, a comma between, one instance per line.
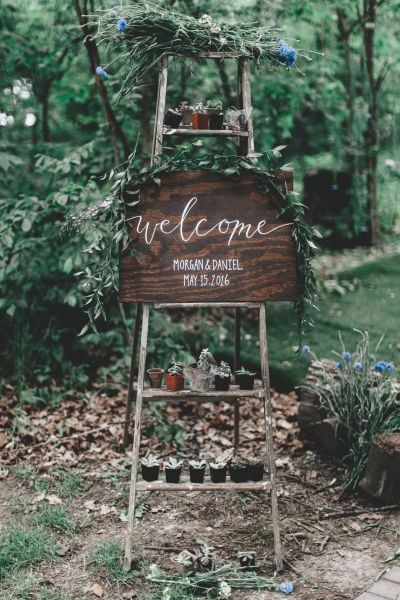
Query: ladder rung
x=217, y=54
x=205, y=132
x=185, y=486
x=205, y=305
x=186, y=394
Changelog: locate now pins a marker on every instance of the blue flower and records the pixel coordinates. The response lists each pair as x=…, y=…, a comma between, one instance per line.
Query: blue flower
x=358, y=366
x=305, y=349
x=287, y=52
x=334, y=187
x=373, y=357
x=121, y=25
x=339, y=364
x=101, y=72
x=286, y=587
x=390, y=368
x=379, y=367
x=346, y=355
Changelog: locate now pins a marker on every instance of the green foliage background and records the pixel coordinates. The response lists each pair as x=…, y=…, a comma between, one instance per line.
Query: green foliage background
x=54, y=168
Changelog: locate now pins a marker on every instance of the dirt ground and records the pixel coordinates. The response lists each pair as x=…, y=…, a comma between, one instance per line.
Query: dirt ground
x=334, y=543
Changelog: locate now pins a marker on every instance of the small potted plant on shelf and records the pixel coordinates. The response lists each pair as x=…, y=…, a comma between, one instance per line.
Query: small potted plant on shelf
x=197, y=469
x=218, y=471
x=247, y=560
x=173, y=470
x=215, y=114
x=185, y=561
x=186, y=111
x=256, y=469
x=199, y=117
x=172, y=118
x=201, y=374
x=205, y=558
x=150, y=467
x=174, y=377
x=155, y=376
x=245, y=379
x=236, y=119
x=239, y=470
x=223, y=377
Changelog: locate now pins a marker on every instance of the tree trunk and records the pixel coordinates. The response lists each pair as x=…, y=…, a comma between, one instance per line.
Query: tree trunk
x=372, y=131
x=45, y=114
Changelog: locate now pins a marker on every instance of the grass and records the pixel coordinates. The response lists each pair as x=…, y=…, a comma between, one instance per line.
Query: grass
x=107, y=560
x=22, y=546
x=62, y=483
x=55, y=517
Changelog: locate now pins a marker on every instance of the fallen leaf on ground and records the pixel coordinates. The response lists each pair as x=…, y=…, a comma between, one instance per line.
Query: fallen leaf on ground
x=97, y=590
x=54, y=500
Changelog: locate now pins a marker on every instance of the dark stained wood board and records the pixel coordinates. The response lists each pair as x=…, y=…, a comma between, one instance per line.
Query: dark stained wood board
x=254, y=268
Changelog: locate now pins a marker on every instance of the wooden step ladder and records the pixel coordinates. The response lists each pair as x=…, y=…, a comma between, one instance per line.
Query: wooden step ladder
x=245, y=146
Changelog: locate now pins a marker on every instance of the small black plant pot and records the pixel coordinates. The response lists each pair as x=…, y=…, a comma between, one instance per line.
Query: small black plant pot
x=256, y=472
x=218, y=475
x=216, y=121
x=205, y=564
x=248, y=562
x=172, y=118
x=239, y=474
x=222, y=383
x=150, y=473
x=246, y=382
x=196, y=475
x=173, y=475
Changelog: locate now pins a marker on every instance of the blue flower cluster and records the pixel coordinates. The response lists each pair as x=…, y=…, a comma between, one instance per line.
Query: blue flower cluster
x=121, y=25
x=305, y=349
x=288, y=53
x=286, y=587
x=383, y=366
x=101, y=72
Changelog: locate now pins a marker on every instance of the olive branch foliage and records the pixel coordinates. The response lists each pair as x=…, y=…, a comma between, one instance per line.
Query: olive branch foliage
x=107, y=218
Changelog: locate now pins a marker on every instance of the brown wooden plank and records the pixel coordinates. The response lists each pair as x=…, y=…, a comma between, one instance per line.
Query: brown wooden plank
x=233, y=393
x=185, y=486
x=249, y=267
x=205, y=132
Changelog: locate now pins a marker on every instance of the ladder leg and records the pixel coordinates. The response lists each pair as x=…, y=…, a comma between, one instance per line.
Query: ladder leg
x=136, y=440
x=160, y=110
x=246, y=93
x=131, y=393
x=236, y=366
x=236, y=424
x=269, y=437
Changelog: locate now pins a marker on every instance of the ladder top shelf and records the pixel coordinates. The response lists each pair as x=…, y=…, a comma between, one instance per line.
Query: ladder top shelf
x=185, y=486
x=205, y=132
x=232, y=394
x=216, y=54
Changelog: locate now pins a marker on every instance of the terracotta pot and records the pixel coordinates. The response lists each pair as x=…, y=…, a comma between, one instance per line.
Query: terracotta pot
x=199, y=120
x=174, y=382
x=155, y=376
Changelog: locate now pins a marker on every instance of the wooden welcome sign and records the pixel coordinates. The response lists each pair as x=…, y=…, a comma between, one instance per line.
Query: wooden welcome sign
x=204, y=237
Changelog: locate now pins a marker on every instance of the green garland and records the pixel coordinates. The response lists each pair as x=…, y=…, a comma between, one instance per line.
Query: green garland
x=143, y=33
x=101, y=273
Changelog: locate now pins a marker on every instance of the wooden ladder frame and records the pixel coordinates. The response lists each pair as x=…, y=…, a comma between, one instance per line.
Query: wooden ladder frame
x=245, y=146
x=265, y=393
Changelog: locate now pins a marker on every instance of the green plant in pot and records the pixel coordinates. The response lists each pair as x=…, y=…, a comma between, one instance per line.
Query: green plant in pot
x=239, y=470
x=199, y=117
x=245, y=379
x=223, y=377
x=205, y=558
x=150, y=467
x=215, y=114
x=201, y=375
x=247, y=560
x=173, y=470
x=197, y=469
x=174, y=377
x=186, y=111
x=218, y=471
x=256, y=469
x=155, y=376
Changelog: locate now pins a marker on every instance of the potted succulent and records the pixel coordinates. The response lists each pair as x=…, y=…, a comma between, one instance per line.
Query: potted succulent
x=256, y=469
x=218, y=472
x=239, y=470
x=173, y=470
x=174, y=377
x=199, y=117
x=186, y=111
x=172, y=118
x=150, y=467
x=247, y=560
x=245, y=379
x=215, y=114
x=237, y=119
x=201, y=374
x=205, y=558
x=155, y=376
x=223, y=377
x=197, y=469
x=185, y=562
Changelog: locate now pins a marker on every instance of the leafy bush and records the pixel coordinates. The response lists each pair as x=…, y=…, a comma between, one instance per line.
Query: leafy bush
x=363, y=394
